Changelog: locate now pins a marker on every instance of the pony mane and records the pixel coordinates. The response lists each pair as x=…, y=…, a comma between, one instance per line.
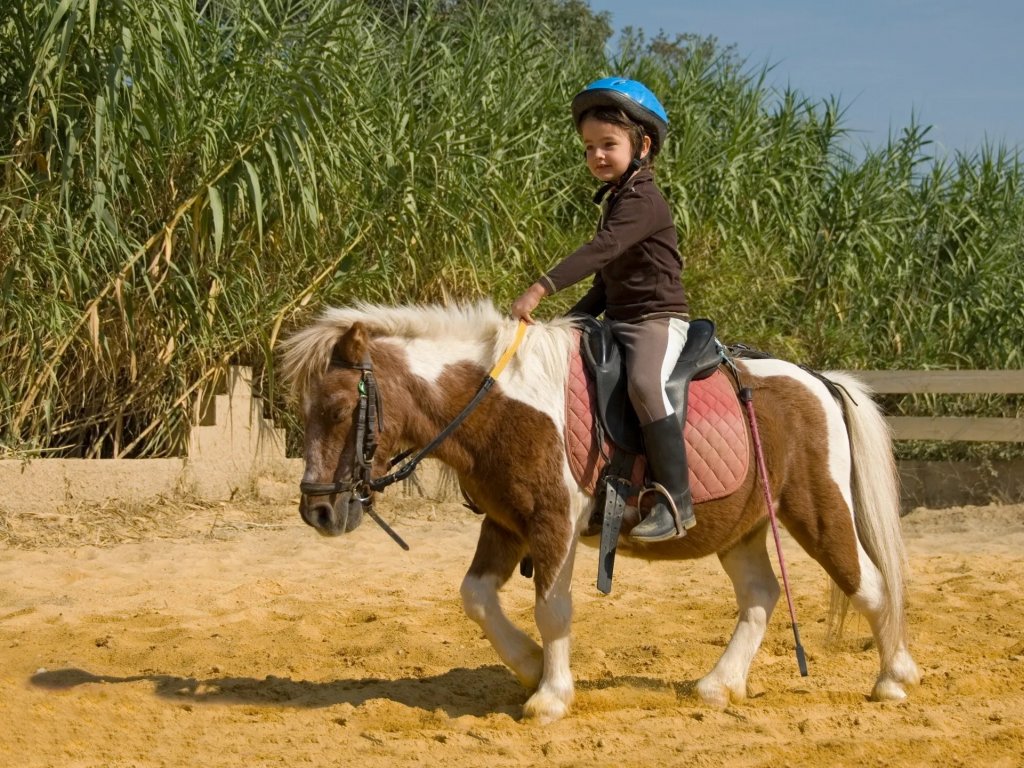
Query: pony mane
x=306, y=353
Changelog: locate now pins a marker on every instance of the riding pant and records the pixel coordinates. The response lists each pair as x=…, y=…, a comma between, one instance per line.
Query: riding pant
x=651, y=347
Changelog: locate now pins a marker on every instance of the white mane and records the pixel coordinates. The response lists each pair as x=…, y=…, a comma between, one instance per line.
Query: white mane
x=479, y=327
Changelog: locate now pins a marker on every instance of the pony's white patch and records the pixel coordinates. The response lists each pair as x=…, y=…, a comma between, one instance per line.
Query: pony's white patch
x=551, y=404
x=530, y=378
x=429, y=357
x=537, y=375
x=835, y=427
x=870, y=597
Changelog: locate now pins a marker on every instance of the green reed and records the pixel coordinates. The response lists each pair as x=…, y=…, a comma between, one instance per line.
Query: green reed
x=180, y=188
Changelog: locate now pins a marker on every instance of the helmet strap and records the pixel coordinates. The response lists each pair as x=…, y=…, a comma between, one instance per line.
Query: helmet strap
x=633, y=167
x=603, y=190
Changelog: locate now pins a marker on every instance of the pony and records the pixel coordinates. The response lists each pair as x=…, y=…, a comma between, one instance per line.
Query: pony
x=830, y=465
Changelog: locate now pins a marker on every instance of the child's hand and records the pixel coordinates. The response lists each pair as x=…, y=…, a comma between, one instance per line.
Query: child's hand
x=527, y=302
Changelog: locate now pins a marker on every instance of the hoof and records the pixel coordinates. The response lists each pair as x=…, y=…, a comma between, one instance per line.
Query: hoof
x=901, y=671
x=904, y=670
x=545, y=707
x=888, y=690
x=717, y=694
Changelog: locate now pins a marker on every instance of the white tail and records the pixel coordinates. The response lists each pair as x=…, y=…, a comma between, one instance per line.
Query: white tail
x=876, y=507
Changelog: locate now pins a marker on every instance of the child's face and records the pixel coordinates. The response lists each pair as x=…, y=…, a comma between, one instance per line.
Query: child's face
x=608, y=149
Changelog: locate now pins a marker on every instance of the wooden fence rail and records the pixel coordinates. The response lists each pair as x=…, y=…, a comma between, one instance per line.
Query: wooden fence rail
x=984, y=429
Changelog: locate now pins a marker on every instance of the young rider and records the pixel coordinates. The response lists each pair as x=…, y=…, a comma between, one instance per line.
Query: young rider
x=636, y=268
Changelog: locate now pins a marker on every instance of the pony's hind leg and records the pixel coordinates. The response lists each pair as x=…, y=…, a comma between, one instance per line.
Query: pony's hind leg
x=884, y=612
x=877, y=582
x=498, y=552
x=757, y=592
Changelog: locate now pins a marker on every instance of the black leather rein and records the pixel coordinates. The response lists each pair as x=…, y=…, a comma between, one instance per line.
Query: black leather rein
x=368, y=423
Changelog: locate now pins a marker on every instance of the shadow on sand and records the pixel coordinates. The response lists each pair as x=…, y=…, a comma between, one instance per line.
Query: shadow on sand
x=461, y=691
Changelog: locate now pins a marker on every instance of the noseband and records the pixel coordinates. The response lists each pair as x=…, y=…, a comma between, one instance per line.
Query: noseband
x=369, y=421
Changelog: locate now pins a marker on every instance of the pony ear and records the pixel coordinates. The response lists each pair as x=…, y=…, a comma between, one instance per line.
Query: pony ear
x=354, y=346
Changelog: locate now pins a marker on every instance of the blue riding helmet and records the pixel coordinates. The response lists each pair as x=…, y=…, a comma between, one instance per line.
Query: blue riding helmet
x=632, y=97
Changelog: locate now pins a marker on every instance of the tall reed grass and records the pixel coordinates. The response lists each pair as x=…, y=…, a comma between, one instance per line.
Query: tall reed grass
x=181, y=186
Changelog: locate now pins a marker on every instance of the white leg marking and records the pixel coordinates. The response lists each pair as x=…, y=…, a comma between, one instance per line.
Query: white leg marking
x=514, y=647
x=897, y=666
x=553, y=613
x=757, y=592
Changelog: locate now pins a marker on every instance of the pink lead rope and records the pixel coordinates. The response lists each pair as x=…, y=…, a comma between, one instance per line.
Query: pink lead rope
x=746, y=396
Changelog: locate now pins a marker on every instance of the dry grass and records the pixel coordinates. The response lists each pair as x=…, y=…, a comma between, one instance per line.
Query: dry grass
x=179, y=204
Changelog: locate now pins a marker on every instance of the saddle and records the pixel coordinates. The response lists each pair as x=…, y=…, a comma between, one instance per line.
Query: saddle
x=699, y=358
x=604, y=440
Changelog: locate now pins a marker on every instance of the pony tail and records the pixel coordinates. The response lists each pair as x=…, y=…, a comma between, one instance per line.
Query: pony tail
x=876, y=505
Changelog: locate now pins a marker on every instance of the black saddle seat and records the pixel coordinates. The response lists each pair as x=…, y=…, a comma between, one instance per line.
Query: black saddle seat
x=700, y=357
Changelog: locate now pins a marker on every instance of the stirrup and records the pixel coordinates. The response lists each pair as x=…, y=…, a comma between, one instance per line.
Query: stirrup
x=681, y=526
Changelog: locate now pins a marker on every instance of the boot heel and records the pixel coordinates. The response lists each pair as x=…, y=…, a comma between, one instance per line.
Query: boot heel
x=688, y=522
x=685, y=510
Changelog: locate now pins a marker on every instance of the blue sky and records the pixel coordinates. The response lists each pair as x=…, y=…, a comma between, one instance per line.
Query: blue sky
x=957, y=65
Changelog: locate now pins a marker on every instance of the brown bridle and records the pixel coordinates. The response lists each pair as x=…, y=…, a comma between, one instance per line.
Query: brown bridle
x=369, y=422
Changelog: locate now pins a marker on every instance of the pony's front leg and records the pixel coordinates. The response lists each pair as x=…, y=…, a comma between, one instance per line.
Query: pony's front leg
x=553, y=613
x=498, y=552
x=757, y=592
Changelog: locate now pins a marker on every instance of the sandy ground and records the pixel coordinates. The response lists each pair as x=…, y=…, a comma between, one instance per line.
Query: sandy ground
x=188, y=635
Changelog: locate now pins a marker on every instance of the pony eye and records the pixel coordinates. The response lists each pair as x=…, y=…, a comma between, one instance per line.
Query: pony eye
x=334, y=414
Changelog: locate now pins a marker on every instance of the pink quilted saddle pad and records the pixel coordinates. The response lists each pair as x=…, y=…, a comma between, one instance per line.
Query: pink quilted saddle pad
x=717, y=443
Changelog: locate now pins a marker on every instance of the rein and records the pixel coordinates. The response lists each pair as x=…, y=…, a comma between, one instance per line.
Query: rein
x=485, y=387
x=369, y=422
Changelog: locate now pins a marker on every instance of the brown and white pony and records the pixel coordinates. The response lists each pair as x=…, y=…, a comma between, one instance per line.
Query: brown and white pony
x=833, y=478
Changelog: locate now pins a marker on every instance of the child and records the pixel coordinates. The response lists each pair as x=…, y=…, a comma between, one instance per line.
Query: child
x=636, y=265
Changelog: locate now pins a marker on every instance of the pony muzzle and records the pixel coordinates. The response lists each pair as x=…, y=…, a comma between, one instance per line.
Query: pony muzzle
x=334, y=514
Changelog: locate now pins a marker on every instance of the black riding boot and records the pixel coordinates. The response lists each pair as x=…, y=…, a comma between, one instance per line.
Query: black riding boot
x=666, y=458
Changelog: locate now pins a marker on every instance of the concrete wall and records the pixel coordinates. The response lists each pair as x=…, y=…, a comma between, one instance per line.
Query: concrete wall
x=234, y=450
x=959, y=483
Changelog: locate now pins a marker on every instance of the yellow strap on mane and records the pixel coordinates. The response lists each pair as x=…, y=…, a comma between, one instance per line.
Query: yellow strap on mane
x=500, y=365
